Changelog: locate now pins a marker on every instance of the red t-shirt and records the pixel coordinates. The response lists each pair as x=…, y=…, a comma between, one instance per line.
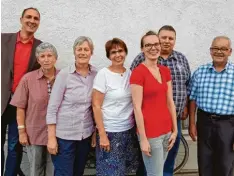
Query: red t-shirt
x=21, y=60
x=157, y=118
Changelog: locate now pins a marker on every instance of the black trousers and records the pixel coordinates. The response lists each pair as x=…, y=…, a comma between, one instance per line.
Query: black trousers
x=215, y=146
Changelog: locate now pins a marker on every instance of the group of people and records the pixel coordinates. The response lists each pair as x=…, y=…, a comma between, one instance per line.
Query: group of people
x=60, y=115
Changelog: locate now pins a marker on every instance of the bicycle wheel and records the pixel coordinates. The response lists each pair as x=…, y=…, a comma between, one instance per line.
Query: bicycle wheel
x=182, y=155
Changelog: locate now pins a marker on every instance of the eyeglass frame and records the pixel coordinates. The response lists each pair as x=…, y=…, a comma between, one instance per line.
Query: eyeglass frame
x=215, y=49
x=155, y=45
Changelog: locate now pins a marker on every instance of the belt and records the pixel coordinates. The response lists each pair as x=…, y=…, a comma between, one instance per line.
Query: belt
x=216, y=116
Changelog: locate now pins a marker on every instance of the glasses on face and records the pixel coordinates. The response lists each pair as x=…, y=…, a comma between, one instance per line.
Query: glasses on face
x=116, y=51
x=149, y=46
x=215, y=49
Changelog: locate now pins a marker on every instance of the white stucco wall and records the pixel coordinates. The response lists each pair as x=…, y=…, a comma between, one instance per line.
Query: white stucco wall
x=197, y=22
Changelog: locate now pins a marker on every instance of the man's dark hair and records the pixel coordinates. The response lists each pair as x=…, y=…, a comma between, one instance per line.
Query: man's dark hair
x=30, y=8
x=147, y=34
x=167, y=28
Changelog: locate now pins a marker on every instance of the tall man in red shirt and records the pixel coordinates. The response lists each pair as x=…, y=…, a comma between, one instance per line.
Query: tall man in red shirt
x=18, y=58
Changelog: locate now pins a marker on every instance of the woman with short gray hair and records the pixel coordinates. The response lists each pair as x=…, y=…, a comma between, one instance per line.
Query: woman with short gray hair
x=31, y=99
x=69, y=115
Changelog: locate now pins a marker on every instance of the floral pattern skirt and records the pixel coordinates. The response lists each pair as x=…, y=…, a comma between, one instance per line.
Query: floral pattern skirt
x=122, y=159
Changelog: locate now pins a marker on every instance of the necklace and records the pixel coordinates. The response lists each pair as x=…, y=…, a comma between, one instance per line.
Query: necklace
x=121, y=73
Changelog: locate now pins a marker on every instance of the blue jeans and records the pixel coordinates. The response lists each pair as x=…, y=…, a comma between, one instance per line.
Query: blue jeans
x=71, y=157
x=154, y=164
x=170, y=161
x=14, y=155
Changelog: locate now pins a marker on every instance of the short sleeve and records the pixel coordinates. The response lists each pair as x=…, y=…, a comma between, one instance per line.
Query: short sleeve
x=167, y=74
x=137, y=77
x=20, y=97
x=99, y=82
x=193, y=86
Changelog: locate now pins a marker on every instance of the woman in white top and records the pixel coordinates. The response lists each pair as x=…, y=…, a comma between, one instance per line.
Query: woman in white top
x=113, y=114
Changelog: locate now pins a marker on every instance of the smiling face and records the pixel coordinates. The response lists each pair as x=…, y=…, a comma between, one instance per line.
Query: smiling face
x=117, y=55
x=151, y=47
x=220, y=50
x=30, y=21
x=46, y=59
x=167, y=39
x=83, y=53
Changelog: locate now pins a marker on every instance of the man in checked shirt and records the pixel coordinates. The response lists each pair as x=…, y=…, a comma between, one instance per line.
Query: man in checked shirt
x=180, y=72
x=211, y=92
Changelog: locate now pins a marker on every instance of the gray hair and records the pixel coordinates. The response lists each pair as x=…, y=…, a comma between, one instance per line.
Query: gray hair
x=45, y=46
x=80, y=40
x=223, y=37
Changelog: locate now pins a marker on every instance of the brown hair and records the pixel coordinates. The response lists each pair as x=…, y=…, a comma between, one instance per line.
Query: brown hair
x=147, y=34
x=113, y=44
x=30, y=8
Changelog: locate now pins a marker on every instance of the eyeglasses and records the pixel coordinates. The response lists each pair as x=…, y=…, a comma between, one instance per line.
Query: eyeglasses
x=116, y=51
x=149, y=46
x=215, y=50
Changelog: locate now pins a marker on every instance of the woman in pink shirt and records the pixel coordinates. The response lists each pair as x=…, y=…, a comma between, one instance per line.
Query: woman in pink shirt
x=31, y=99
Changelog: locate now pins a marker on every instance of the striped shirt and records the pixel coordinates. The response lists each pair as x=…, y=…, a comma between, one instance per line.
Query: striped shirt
x=70, y=104
x=213, y=91
x=180, y=73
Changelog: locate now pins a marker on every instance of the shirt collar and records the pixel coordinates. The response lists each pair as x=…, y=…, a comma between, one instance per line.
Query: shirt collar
x=40, y=73
x=18, y=39
x=73, y=69
x=226, y=68
x=173, y=55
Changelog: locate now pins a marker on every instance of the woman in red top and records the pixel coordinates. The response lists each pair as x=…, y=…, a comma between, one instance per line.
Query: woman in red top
x=153, y=106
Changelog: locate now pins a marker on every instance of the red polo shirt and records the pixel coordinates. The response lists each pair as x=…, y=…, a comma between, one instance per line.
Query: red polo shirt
x=21, y=59
x=157, y=118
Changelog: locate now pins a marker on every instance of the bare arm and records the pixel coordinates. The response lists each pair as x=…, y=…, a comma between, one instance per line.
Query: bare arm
x=20, y=116
x=186, y=110
x=23, y=137
x=52, y=145
x=97, y=101
x=172, y=110
x=192, y=122
x=137, y=97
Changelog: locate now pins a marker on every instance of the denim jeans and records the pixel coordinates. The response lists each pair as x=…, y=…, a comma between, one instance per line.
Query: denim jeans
x=71, y=157
x=170, y=161
x=14, y=152
x=154, y=164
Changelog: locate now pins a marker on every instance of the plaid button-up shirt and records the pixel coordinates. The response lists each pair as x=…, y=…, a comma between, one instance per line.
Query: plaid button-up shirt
x=32, y=95
x=50, y=85
x=213, y=91
x=70, y=106
x=180, y=73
